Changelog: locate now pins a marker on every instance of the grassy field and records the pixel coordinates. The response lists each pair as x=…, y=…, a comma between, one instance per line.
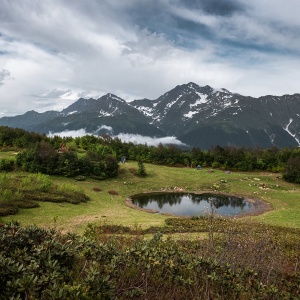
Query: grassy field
x=106, y=208
x=171, y=258
x=8, y=154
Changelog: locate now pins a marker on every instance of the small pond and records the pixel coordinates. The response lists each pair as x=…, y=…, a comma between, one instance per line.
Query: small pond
x=188, y=204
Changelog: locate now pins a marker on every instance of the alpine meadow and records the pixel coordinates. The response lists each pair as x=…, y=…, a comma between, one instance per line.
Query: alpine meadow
x=70, y=231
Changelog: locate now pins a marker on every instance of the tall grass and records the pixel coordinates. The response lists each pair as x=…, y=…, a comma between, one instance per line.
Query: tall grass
x=38, y=182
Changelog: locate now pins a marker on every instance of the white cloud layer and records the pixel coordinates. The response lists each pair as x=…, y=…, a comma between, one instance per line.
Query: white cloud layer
x=124, y=137
x=54, y=51
x=70, y=133
x=139, y=139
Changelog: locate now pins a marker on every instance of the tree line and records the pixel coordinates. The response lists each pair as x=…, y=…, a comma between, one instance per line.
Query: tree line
x=99, y=155
x=44, y=158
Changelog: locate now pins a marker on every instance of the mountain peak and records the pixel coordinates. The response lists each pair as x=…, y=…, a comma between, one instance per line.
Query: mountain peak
x=221, y=90
x=193, y=87
x=196, y=86
x=113, y=97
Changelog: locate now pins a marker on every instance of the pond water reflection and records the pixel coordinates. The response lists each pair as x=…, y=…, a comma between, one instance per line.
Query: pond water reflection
x=188, y=204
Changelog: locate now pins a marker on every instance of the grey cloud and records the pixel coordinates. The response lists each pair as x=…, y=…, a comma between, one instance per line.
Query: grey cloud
x=55, y=93
x=82, y=94
x=4, y=74
x=215, y=7
x=143, y=48
x=192, y=24
x=92, y=19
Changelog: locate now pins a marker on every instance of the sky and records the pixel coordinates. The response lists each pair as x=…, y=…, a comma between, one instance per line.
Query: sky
x=53, y=52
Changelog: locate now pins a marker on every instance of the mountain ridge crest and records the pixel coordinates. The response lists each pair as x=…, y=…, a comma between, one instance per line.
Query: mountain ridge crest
x=199, y=116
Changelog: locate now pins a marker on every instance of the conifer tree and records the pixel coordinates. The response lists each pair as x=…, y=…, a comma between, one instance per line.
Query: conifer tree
x=141, y=169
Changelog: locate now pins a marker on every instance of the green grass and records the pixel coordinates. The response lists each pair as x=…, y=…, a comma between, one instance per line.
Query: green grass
x=111, y=209
x=10, y=154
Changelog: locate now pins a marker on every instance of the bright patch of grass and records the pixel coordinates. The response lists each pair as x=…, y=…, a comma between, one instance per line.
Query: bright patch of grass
x=10, y=154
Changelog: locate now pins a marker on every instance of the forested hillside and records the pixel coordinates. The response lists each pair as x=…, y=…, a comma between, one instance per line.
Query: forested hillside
x=99, y=155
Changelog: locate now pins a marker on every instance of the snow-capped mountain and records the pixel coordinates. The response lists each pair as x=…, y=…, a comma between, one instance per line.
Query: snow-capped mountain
x=204, y=117
x=183, y=104
x=198, y=116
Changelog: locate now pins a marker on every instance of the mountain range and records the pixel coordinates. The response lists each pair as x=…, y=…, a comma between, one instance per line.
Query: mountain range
x=198, y=116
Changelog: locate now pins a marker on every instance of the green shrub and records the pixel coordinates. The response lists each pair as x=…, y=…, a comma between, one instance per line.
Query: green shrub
x=8, y=209
x=43, y=264
x=292, y=170
x=6, y=195
x=38, y=182
x=56, y=196
x=26, y=204
x=5, y=180
x=7, y=164
x=215, y=164
x=141, y=171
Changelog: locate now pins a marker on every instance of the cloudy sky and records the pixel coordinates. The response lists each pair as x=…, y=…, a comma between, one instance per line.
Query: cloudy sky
x=54, y=51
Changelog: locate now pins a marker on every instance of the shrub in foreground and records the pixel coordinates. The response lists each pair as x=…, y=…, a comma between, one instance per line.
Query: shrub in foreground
x=39, y=264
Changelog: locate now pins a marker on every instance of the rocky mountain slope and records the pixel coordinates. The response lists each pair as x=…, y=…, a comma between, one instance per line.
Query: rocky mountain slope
x=198, y=116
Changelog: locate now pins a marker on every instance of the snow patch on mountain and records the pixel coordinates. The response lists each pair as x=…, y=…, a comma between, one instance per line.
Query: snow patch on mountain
x=271, y=136
x=155, y=119
x=115, y=110
x=226, y=104
x=190, y=114
x=108, y=128
x=114, y=97
x=202, y=99
x=147, y=111
x=72, y=112
x=104, y=113
x=286, y=128
x=237, y=111
x=220, y=90
x=181, y=103
x=169, y=105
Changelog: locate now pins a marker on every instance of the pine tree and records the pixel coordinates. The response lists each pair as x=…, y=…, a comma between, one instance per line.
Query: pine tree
x=141, y=169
